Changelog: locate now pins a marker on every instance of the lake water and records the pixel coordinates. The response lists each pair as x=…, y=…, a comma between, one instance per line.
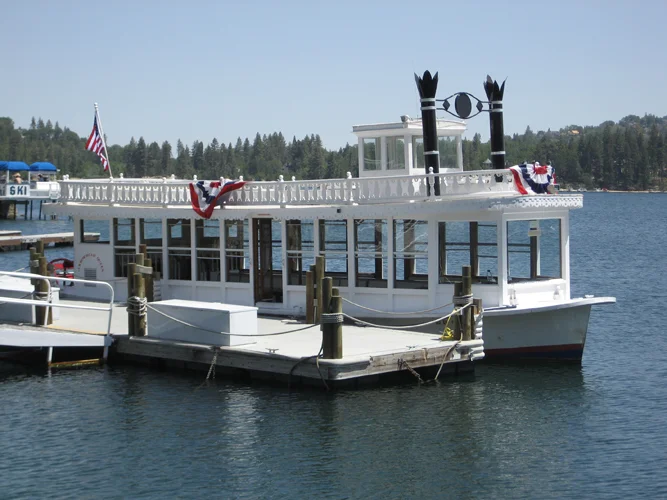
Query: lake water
x=595, y=431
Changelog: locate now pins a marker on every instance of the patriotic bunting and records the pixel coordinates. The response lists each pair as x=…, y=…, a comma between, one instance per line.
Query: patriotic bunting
x=206, y=195
x=533, y=178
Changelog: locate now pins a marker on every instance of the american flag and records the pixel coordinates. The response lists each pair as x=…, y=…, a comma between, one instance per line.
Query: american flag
x=96, y=145
x=206, y=195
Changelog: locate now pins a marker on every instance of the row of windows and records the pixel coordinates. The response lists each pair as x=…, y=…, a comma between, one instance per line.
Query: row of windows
x=533, y=250
x=395, y=153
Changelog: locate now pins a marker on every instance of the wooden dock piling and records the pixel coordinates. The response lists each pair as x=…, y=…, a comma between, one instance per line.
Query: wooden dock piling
x=325, y=297
x=140, y=291
x=319, y=276
x=131, y=271
x=334, y=346
x=464, y=320
x=148, y=278
x=310, y=296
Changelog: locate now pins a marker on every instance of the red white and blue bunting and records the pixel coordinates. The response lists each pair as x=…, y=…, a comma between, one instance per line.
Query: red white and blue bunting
x=533, y=178
x=206, y=195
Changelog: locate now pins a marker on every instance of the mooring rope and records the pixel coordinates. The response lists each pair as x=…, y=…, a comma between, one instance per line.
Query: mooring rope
x=402, y=363
x=137, y=306
x=211, y=370
x=395, y=313
x=331, y=318
x=317, y=364
x=449, y=351
x=406, y=327
x=227, y=333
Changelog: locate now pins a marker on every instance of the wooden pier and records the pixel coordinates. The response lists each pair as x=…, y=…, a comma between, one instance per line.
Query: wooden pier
x=15, y=240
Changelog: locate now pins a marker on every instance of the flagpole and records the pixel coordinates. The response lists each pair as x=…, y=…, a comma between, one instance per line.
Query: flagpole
x=99, y=122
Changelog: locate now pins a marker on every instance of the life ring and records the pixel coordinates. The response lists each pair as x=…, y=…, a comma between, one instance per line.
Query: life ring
x=62, y=268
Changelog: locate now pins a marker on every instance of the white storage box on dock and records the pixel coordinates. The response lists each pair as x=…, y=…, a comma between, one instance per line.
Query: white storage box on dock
x=209, y=316
x=16, y=288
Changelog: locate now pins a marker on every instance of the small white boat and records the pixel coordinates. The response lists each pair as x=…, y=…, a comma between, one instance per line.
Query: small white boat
x=393, y=247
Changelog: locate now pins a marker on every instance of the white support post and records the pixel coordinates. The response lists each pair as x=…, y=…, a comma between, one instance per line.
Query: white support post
x=283, y=260
x=459, y=153
x=502, y=261
x=360, y=150
x=407, y=152
x=433, y=261
x=390, y=260
x=565, y=252
x=223, y=261
x=193, y=259
x=383, y=153
x=165, y=258
x=351, y=278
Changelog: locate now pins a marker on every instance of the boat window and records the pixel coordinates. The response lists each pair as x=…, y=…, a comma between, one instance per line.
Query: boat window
x=533, y=250
x=207, y=237
x=370, y=253
x=150, y=234
x=94, y=231
x=372, y=154
x=418, y=152
x=300, y=250
x=123, y=230
x=411, y=254
x=178, y=233
x=472, y=244
x=447, y=149
x=333, y=246
x=237, y=251
x=178, y=249
x=124, y=246
x=395, y=153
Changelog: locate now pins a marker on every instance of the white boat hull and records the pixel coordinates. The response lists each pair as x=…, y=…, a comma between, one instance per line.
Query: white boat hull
x=547, y=332
x=543, y=331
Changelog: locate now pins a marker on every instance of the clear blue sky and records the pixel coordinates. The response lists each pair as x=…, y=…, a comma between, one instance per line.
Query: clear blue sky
x=197, y=70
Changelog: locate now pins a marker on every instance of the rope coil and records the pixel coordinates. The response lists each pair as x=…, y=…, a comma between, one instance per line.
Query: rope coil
x=332, y=318
x=137, y=306
x=463, y=300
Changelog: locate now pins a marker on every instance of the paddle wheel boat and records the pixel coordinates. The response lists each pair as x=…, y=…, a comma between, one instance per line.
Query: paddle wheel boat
x=394, y=240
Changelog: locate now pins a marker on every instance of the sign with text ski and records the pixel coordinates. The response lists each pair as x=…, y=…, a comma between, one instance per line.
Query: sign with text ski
x=18, y=190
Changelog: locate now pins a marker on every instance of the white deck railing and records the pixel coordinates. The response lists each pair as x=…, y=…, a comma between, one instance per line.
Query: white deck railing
x=175, y=192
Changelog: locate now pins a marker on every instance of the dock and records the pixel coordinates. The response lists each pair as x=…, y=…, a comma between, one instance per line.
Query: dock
x=370, y=355
x=15, y=240
x=333, y=351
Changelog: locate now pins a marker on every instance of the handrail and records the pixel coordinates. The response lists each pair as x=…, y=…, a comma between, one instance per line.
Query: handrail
x=350, y=190
x=48, y=302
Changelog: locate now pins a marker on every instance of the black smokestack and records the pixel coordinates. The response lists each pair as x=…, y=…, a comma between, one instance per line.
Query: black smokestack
x=495, y=95
x=427, y=87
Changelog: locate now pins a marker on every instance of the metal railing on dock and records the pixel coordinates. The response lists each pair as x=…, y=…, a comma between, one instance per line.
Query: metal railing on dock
x=47, y=303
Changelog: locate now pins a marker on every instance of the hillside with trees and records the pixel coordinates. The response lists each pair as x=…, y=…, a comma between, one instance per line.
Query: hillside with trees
x=628, y=155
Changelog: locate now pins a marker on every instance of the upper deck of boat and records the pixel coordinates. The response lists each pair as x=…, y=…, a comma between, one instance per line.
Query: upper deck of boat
x=495, y=186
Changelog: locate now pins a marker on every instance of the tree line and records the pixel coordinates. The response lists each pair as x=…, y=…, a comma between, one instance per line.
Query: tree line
x=628, y=155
